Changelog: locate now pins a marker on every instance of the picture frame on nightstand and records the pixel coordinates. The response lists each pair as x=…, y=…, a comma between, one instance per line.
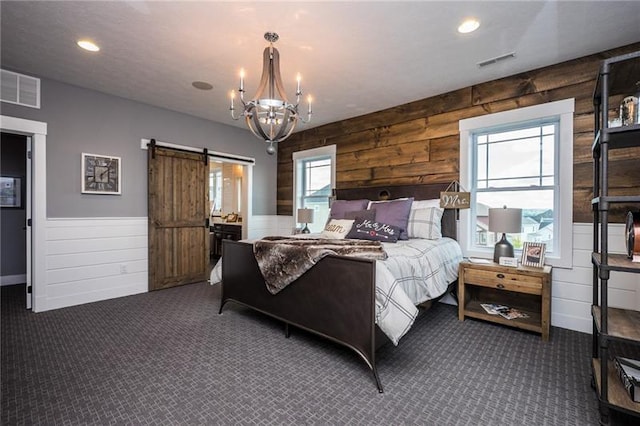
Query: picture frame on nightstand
x=533, y=254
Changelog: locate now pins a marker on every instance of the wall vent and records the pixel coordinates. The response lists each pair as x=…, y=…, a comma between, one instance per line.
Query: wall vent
x=20, y=89
x=497, y=59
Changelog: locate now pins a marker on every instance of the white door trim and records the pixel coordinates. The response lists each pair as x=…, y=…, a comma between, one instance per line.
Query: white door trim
x=38, y=132
x=28, y=233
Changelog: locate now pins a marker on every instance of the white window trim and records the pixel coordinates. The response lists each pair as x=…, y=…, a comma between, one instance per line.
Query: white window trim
x=308, y=154
x=564, y=229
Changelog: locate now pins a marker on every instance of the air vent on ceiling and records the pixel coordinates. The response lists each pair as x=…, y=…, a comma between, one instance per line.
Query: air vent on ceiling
x=20, y=89
x=497, y=59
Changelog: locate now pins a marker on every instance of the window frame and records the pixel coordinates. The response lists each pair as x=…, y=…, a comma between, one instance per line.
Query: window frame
x=563, y=196
x=311, y=154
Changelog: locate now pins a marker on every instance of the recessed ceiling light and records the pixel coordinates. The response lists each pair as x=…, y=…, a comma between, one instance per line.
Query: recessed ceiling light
x=468, y=26
x=202, y=85
x=88, y=45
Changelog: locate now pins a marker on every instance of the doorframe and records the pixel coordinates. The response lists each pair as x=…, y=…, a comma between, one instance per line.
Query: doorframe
x=37, y=181
x=247, y=184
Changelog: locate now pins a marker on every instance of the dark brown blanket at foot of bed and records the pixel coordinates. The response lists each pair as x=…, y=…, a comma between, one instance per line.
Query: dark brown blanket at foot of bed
x=282, y=260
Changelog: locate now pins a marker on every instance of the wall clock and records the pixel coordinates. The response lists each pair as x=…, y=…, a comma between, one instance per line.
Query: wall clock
x=101, y=174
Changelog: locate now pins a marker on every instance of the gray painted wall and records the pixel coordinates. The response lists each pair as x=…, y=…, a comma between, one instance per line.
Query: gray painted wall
x=81, y=120
x=13, y=236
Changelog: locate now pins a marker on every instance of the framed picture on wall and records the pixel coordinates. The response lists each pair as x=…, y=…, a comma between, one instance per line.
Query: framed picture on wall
x=533, y=254
x=101, y=174
x=10, y=192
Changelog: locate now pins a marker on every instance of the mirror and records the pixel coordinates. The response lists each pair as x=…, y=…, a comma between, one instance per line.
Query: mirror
x=225, y=191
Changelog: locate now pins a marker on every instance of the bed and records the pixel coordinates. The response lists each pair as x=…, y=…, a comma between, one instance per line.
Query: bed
x=340, y=298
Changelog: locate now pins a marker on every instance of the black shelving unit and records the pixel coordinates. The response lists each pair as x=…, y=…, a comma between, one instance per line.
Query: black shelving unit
x=617, y=76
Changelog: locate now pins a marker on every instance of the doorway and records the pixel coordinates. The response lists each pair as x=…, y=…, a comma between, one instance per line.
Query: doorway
x=13, y=210
x=35, y=202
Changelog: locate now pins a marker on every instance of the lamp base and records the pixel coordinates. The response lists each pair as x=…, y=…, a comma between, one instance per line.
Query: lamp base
x=305, y=230
x=503, y=248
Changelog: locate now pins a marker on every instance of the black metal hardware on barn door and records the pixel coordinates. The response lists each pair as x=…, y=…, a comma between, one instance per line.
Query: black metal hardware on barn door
x=615, y=331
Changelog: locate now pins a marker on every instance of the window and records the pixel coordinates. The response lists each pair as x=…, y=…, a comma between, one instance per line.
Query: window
x=314, y=178
x=522, y=159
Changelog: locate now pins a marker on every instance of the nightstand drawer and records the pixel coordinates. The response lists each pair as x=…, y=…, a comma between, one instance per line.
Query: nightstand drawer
x=504, y=281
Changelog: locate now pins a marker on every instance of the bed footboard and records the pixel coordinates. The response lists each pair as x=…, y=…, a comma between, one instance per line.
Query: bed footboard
x=334, y=299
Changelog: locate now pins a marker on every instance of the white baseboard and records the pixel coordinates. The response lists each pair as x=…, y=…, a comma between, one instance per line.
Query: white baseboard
x=13, y=279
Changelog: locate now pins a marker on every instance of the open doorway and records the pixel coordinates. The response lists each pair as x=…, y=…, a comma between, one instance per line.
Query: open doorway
x=35, y=206
x=226, y=195
x=13, y=211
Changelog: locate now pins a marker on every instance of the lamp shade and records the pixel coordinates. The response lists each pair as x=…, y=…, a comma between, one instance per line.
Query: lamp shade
x=508, y=221
x=305, y=215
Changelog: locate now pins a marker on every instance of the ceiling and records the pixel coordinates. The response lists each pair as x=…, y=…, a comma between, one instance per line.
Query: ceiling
x=354, y=57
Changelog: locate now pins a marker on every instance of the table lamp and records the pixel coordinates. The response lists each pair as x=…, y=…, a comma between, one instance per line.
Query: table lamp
x=305, y=216
x=507, y=221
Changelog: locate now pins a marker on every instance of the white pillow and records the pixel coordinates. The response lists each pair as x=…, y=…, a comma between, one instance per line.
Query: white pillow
x=337, y=229
x=425, y=223
x=384, y=201
x=423, y=204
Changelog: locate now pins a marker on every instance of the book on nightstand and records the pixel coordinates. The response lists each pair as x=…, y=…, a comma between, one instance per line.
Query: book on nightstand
x=629, y=372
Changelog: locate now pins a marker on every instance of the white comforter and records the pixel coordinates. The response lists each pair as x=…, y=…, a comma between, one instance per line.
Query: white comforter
x=416, y=270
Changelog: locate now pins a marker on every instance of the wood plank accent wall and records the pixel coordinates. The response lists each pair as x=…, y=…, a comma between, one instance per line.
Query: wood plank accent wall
x=419, y=142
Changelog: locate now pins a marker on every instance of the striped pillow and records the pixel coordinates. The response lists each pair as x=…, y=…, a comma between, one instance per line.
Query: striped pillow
x=425, y=223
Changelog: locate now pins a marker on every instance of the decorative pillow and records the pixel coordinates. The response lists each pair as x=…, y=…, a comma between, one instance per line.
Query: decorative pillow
x=394, y=212
x=365, y=229
x=340, y=207
x=336, y=229
x=361, y=214
x=423, y=204
x=425, y=223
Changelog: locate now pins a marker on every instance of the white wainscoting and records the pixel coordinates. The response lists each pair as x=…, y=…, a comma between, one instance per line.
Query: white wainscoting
x=572, y=294
x=571, y=288
x=92, y=259
x=96, y=259
x=266, y=225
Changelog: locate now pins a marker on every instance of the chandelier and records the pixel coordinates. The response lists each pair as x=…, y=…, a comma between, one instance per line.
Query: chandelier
x=269, y=115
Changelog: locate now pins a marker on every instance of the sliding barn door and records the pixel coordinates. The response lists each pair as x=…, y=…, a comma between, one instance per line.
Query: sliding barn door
x=178, y=217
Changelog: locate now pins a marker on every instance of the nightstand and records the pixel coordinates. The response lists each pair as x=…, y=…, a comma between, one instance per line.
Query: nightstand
x=524, y=288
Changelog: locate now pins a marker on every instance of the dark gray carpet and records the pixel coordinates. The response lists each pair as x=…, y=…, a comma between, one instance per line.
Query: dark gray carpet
x=167, y=357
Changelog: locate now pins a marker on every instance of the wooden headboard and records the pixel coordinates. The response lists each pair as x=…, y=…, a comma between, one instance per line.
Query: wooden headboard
x=418, y=192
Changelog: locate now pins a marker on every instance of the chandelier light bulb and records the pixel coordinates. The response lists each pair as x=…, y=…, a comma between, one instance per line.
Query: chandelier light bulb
x=232, y=95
